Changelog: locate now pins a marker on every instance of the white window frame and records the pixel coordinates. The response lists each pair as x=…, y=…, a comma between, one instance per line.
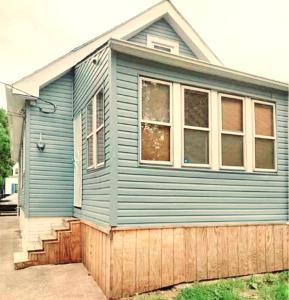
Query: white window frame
x=94, y=131
x=264, y=136
x=228, y=132
x=185, y=87
x=153, y=41
x=170, y=124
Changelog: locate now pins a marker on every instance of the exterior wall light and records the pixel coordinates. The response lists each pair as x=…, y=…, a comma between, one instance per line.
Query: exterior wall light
x=40, y=144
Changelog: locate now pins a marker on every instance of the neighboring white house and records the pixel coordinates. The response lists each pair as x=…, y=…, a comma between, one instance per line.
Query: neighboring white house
x=11, y=182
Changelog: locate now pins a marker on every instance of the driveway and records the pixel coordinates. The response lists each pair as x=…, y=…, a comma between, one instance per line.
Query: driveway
x=69, y=281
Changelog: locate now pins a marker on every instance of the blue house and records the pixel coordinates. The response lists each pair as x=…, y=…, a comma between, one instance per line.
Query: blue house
x=174, y=166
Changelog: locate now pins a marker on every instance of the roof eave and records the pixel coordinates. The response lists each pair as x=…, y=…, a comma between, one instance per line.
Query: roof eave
x=194, y=64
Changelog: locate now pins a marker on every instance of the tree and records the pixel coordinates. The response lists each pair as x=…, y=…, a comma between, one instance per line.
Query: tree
x=5, y=158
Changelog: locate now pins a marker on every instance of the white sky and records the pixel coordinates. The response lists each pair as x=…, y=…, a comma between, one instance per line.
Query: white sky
x=248, y=35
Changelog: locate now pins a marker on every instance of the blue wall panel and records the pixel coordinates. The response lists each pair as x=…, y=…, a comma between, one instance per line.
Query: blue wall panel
x=50, y=190
x=149, y=194
x=162, y=29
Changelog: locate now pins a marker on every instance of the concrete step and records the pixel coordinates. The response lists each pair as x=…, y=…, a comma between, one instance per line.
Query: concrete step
x=20, y=257
x=34, y=246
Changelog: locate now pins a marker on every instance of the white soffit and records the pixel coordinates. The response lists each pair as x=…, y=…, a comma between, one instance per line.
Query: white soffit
x=32, y=83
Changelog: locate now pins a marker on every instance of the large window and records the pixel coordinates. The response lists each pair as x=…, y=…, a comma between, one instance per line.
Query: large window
x=196, y=124
x=264, y=135
x=232, y=131
x=155, y=121
x=186, y=126
x=95, y=130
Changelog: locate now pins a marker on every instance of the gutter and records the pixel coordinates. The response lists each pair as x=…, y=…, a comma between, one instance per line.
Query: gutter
x=194, y=64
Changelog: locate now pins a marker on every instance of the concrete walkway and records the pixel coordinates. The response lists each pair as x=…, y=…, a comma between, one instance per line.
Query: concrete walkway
x=58, y=282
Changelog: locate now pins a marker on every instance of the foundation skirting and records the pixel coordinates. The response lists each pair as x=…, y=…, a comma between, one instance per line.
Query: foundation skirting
x=135, y=260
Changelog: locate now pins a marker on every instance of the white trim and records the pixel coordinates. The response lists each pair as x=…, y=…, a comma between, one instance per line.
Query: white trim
x=274, y=138
x=215, y=160
x=169, y=124
x=208, y=129
x=77, y=172
x=33, y=82
x=249, y=134
x=235, y=133
x=153, y=41
x=177, y=125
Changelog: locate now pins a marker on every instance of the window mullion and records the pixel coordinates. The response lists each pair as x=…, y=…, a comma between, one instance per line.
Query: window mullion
x=249, y=136
x=177, y=125
x=214, y=107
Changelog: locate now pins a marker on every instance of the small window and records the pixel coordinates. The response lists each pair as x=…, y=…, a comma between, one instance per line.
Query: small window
x=196, y=127
x=155, y=121
x=95, y=130
x=264, y=136
x=89, y=126
x=162, y=44
x=232, y=131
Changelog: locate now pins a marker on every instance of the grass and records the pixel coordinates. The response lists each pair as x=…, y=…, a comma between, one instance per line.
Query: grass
x=259, y=287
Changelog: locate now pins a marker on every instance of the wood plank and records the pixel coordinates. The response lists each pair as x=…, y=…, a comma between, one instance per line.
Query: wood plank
x=129, y=265
x=142, y=260
x=252, y=249
x=117, y=264
x=167, y=257
x=83, y=245
x=179, y=255
x=75, y=242
x=212, y=253
x=223, y=252
x=52, y=252
x=155, y=258
x=286, y=247
x=233, y=251
x=191, y=254
x=278, y=247
x=261, y=249
x=107, y=265
x=202, y=253
x=270, y=265
x=243, y=250
x=102, y=261
x=64, y=247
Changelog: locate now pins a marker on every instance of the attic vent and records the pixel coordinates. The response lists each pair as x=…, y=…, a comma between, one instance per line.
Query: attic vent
x=162, y=44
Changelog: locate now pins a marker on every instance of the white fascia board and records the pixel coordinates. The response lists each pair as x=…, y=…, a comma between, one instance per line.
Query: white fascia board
x=194, y=64
x=32, y=83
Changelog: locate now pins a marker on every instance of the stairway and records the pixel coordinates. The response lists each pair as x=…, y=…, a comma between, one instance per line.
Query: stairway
x=62, y=246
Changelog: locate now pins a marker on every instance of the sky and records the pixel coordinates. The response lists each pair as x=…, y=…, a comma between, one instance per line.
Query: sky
x=247, y=35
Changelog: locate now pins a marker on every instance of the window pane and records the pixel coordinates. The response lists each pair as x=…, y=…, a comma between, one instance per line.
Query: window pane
x=232, y=114
x=155, y=101
x=90, y=151
x=264, y=154
x=196, y=108
x=232, y=150
x=100, y=145
x=264, y=119
x=155, y=142
x=99, y=108
x=89, y=117
x=196, y=147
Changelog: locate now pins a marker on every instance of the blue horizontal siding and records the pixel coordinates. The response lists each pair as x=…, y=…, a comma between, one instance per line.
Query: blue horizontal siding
x=162, y=29
x=51, y=172
x=96, y=183
x=159, y=194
